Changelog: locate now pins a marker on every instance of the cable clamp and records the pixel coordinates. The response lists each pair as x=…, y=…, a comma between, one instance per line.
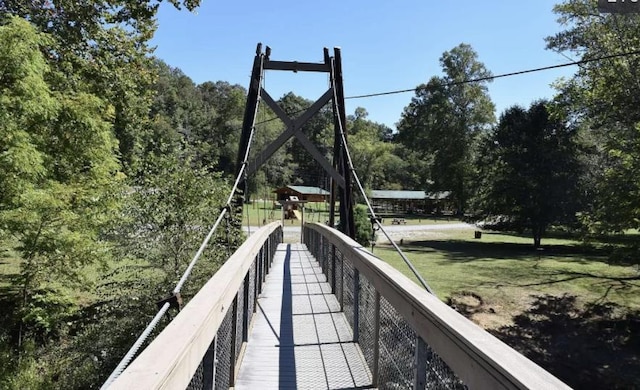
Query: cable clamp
x=174, y=300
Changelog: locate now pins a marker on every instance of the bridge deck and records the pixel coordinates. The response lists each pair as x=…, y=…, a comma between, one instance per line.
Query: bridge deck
x=300, y=338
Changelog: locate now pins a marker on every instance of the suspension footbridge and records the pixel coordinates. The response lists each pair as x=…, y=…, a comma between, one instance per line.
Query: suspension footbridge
x=322, y=313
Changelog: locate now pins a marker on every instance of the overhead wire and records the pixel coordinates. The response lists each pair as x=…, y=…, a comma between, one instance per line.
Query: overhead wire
x=480, y=79
x=510, y=74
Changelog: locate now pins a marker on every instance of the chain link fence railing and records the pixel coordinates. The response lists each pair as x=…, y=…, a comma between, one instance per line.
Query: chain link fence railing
x=408, y=337
x=397, y=357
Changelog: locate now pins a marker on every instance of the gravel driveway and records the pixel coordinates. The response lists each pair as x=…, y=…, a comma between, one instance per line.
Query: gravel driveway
x=396, y=232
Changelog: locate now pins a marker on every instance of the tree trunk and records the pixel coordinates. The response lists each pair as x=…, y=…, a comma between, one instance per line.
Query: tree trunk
x=536, y=241
x=538, y=231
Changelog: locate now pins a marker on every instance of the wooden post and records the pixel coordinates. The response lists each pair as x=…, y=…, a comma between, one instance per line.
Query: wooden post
x=232, y=358
x=376, y=342
x=333, y=269
x=342, y=282
x=209, y=366
x=245, y=309
x=420, y=371
x=256, y=290
x=356, y=304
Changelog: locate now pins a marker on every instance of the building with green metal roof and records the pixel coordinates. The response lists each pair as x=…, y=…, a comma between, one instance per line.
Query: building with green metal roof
x=401, y=201
x=307, y=193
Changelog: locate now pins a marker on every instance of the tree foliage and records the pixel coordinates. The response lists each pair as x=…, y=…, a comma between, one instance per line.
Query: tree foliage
x=440, y=126
x=95, y=247
x=59, y=170
x=529, y=170
x=602, y=101
x=370, y=150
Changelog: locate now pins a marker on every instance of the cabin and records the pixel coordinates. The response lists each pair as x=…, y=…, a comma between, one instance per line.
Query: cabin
x=304, y=193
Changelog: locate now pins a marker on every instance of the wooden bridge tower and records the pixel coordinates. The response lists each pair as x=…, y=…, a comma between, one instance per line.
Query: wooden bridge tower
x=339, y=169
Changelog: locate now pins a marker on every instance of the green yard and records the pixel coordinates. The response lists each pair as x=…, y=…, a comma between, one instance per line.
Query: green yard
x=567, y=307
x=504, y=269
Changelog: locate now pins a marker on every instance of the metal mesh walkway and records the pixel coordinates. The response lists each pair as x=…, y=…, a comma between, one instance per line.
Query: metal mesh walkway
x=300, y=338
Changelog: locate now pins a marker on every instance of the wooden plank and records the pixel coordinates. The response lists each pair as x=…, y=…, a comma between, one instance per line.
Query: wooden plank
x=296, y=66
x=300, y=339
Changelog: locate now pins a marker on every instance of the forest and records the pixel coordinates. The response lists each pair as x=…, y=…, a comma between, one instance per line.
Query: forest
x=114, y=164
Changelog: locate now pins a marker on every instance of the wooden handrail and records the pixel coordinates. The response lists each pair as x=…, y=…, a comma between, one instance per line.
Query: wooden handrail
x=170, y=361
x=478, y=358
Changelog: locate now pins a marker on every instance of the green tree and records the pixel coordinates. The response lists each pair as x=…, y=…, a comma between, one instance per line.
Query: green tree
x=100, y=47
x=530, y=170
x=220, y=136
x=441, y=124
x=369, y=149
x=59, y=175
x=602, y=101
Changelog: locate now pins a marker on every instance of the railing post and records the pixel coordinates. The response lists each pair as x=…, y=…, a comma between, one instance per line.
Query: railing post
x=420, y=370
x=356, y=305
x=245, y=309
x=265, y=266
x=209, y=366
x=259, y=273
x=255, y=285
x=267, y=248
x=325, y=256
x=333, y=269
x=376, y=340
x=319, y=255
x=341, y=281
x=234, y=331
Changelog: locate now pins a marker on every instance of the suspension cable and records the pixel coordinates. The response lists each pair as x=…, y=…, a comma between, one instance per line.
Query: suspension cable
x=343, y=139
x=136, y=346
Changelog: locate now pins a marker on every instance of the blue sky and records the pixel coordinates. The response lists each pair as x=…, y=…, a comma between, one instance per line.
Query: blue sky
x=385, y=45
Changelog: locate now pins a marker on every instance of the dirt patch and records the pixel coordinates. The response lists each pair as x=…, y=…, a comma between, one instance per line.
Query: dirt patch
x=466, y=302
x=588, y=346
x=474, y=307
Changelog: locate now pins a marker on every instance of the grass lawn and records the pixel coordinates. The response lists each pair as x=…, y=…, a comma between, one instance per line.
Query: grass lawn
x=261, y=212
x=566, y=306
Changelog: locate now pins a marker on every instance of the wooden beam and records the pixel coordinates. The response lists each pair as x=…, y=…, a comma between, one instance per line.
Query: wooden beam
x=296, y=66
x=315, y=107
x=284, y=117
x=315, y=153
x=288, y=133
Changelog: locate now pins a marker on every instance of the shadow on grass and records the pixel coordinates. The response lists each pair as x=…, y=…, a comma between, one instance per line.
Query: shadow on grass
x=595, y=347
x=9, y=298
x=461, y=251
x=612, y=238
